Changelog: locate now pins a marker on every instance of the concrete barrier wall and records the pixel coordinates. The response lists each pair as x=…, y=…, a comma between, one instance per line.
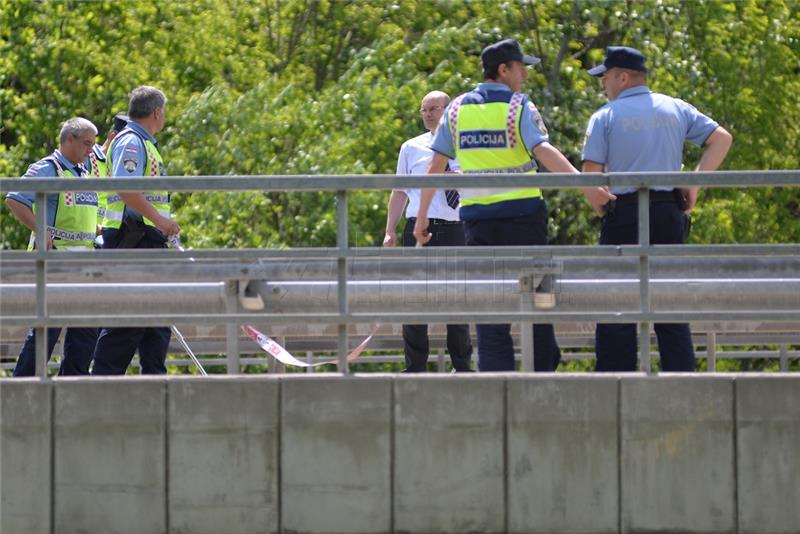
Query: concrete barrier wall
x=768, y=453
x=25, y=455
x=676, y=455
x=397, y=453
x=336, y=454
x=109, y=456
x=449, y=454
x=563, y=454
x=223, y=455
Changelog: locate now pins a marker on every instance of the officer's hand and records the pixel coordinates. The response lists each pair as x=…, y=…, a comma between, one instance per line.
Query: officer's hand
x=421, y=231
x=167, y=226
x=50, y=242
x=390, y=239
x=598, y=197
x=690, y=198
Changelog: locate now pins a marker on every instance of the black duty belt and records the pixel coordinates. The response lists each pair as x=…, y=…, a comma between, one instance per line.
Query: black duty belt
x=655, y=197
x=435, y=221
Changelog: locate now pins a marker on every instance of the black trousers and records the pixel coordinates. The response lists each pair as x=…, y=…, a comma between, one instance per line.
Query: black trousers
x=415, y=336
x=615, y=344
x=78, y=349
x=116, y=346
x=495, y=346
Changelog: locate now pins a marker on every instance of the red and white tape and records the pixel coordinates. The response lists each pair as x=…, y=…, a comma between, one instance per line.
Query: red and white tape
x=274, y=349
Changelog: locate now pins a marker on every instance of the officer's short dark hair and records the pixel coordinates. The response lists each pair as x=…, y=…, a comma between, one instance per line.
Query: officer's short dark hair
x=144, y=101
x=490, y=71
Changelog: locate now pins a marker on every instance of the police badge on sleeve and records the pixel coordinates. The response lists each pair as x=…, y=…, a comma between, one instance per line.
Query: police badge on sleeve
x=536, y=118
x=129, y=164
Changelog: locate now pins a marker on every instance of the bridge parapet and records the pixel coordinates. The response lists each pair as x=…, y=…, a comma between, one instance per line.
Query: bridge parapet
x=640, y=293
x=395, y=453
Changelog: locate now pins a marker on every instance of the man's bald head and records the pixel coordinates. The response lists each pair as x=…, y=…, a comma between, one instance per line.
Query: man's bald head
x=432, y=107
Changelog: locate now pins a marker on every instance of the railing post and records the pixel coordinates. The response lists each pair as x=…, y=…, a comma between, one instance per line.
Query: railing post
x=342, y=244
x=644, y=279
x=526, y=350
x=232, y=328
x=440, y=360
x=526, y=334
x=711, y=352
x=280, y=367
x=784, y=355
x=309, y=361
x=40, y=329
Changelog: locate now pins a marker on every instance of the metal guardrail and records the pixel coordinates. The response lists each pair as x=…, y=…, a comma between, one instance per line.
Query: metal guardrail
x=343, y=254
x=711, y=355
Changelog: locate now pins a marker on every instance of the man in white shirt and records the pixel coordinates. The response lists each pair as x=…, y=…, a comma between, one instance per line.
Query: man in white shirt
x=444, y=225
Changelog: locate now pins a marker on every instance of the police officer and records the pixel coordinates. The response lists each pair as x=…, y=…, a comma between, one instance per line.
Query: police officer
x=445, y=228
x=136, y=220
x=497, y=129
x=96, y=163
x=71, y=225
x=639, y=130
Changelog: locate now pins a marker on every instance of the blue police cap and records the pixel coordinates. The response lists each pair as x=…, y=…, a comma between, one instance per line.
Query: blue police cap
x=623, y=57
x=120, y=121
x=505, y=51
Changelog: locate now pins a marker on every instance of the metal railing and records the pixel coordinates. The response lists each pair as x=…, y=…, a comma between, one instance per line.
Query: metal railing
x=390, y=351
x=233, y=315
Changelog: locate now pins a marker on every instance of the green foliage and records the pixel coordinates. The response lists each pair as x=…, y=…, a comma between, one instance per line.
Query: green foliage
x=310, y=87
x=332, y=87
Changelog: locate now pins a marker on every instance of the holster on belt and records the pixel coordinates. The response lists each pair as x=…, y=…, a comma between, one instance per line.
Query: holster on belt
x=132, y=232
x=681, y=199
x=655, y=196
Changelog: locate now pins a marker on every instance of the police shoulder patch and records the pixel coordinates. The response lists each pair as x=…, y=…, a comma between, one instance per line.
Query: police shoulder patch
x=129, y=164
x=536, y=118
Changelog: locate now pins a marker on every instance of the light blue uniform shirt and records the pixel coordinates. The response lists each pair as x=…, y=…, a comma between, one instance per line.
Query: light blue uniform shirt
x=644, y=131
x=532, y=127
x=129, y=156
x=44, y=168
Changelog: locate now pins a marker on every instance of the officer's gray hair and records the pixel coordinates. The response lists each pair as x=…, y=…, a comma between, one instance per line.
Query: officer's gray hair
x=76, y=126
x=144, y=101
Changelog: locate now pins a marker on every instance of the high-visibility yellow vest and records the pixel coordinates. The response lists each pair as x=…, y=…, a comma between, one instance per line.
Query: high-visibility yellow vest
x=75, y=223
x=98, y=168
x=115, y=207
x=487, y=138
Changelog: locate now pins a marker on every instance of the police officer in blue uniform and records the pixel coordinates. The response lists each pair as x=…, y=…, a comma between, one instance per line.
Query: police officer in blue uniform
x=136, y=220
x=497, y=129
x=639, y=130
x=77, y=139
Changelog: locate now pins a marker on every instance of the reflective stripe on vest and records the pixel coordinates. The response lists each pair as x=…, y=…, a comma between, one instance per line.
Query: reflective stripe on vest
x=76, y=217
x=115, y=207
x=99, y=169
x=487, y=139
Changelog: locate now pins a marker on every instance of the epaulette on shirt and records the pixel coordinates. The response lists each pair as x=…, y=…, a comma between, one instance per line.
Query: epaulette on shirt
x=36, y=169
x=98, y=153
